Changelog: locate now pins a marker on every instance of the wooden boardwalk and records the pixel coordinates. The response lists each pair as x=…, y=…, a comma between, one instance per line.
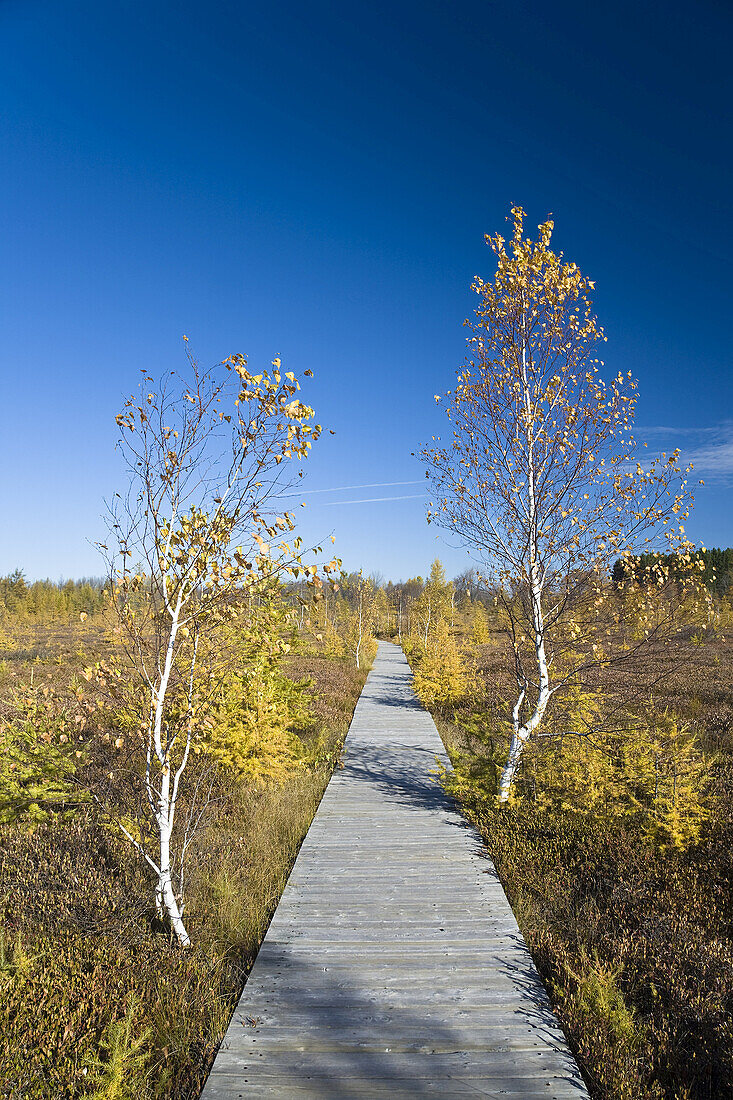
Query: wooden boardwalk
x=393, y=966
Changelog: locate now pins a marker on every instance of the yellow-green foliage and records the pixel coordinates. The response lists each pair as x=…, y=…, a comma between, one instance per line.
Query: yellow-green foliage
x=45, y=599
x=122, y=1074
x=480, y=626
x=36, y=763
x=253, y=727
x=333, y=643
x=252, y=734
x=6, y=638
x=382, y=612
x=432, y=605
x=646, y=603
x=665, y=775
x=598, y=997
x=472, y=779
x=640, y=607
x=358, y=627
x=442, y=676
x=577, y=769
x=368, y=650
x=654, y=770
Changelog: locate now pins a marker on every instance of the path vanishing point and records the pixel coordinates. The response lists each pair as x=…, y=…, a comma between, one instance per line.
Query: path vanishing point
x=393, y=966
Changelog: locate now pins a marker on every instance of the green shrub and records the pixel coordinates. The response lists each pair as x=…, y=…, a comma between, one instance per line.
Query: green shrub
x=442, y=676
x=37, y=760
x=95, y=1000
x=122, y=1071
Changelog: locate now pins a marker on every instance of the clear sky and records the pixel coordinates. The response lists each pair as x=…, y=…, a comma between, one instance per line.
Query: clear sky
x=314, y=181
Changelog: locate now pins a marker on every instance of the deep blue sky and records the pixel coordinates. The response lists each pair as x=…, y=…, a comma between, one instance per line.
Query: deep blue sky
x=314, y=181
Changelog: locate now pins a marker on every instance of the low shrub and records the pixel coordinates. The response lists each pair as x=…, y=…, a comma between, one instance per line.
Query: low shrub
x=96, y=1000
x=633, y=942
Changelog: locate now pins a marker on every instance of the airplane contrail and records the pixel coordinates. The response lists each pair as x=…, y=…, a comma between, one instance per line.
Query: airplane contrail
x=373, y=500
x=346, y=488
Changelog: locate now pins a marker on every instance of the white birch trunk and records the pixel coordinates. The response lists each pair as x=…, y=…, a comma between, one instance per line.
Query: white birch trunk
x=521, y=733
x=165, y=896
x=358, y=639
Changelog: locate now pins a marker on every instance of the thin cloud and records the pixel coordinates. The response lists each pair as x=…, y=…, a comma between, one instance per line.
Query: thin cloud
x=665, y=429
x=714, y=460
x=375, y=500
x=348, y=488
x=708, y=450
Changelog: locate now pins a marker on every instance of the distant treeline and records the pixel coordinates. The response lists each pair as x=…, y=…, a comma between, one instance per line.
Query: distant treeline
x=718, y=573
x=18, y=596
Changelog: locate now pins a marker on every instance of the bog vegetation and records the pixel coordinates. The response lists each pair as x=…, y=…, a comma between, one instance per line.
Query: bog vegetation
x=166, y=733
x=166, y=737
x=97, y=999
x=614, y=847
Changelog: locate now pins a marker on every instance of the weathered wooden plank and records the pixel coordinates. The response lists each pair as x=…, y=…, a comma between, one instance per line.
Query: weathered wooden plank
x=225, y=1087
x=365, y=1065
x=504, y=1035
x=393, y=966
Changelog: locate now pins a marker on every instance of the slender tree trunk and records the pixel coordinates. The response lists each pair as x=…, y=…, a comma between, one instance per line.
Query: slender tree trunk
x=358, y=637
x=166, y=901
x=519, y=740
x=521, y=733
x=165, y=894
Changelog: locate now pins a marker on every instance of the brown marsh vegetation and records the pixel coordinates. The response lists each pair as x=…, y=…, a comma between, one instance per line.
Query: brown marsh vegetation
x=96, y=999
x=633, y=937
x=630, y=926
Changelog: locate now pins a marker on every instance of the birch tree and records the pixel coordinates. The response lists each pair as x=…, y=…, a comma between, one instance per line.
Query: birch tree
x=361, y=621
x=541, y=479
x=206, y=456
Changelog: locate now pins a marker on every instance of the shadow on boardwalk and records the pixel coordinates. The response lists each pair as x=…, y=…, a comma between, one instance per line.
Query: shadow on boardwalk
x=393, y=967
x=400, y=784
x=343, y=1042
